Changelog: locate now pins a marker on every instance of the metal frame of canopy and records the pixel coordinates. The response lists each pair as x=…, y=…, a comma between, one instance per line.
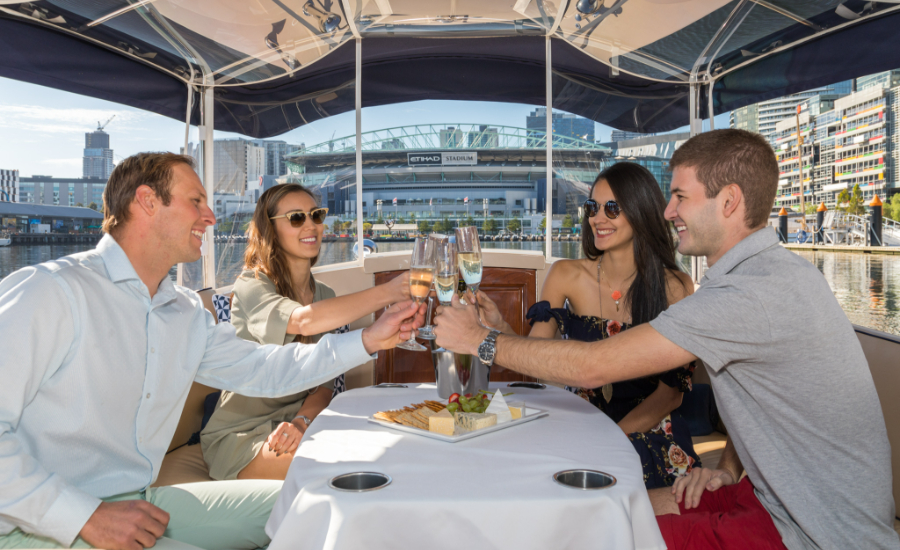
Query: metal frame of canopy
x=704, y=72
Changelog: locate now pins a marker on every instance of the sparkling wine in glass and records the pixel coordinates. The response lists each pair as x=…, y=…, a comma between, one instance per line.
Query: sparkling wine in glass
x=421, y=276
x=469, y=252
x=440, y=242
x=447, y=278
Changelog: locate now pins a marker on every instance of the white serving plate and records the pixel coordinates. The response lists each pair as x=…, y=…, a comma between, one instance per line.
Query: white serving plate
x=462, y=434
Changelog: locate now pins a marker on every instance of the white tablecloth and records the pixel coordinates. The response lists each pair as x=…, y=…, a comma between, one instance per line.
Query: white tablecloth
x=492, y=491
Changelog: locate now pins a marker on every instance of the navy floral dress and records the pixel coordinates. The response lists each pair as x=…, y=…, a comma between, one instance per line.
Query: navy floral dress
x=666, y=451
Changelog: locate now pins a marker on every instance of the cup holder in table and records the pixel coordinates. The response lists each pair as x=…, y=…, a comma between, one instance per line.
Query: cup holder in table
x=359, y=482
x=584, y=479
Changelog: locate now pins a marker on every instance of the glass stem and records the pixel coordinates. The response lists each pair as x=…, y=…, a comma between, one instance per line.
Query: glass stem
x=428, y=313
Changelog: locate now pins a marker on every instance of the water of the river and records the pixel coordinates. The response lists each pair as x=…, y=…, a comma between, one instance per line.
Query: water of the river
x=866, y=285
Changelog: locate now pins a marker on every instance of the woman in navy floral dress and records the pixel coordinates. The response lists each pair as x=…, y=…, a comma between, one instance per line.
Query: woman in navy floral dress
x=628, y=277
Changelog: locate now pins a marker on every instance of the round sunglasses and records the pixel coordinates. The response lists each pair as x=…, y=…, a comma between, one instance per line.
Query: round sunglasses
x=298, y=217
x=611, y=209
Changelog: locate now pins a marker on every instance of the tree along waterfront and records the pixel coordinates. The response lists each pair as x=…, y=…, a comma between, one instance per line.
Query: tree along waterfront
x=866, y=285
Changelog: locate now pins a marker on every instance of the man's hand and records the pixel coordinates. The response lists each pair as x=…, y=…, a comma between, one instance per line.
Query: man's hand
x=125, y=525
x=286, y=437
x=457, y=328
x=394, y=326
x=690, y=486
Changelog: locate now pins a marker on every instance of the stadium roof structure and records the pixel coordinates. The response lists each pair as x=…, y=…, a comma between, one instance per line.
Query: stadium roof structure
x=270, y=66
x=448, y=136
x=47, y=211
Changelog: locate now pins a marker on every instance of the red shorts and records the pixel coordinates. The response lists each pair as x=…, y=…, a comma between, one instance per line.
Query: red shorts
x=730, y=518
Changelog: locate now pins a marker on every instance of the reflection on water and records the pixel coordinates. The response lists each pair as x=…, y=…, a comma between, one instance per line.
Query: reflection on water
x=866, y=285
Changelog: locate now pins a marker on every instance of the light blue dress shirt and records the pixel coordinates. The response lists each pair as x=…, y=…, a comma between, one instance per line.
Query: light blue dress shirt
x=94, y=375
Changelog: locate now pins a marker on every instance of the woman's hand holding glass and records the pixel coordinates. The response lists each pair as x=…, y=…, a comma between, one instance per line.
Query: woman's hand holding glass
x=399, y=288
x=420, y=278
x=490, y=313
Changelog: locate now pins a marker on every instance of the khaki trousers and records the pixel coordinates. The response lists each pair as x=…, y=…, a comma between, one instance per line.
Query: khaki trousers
x=215, y=515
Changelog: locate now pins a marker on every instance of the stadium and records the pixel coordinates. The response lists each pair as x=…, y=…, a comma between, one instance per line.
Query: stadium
x=451, y=171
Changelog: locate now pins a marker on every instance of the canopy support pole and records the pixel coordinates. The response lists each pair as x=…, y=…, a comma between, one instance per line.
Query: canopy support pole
x=209, y=184
x=359, y=179
x=548, y=202
x=707, y=56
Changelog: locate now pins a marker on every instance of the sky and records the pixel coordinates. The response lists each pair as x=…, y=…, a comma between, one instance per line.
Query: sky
x=42, y=129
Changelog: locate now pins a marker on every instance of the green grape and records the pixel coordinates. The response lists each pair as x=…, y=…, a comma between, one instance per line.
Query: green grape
x=452, y=407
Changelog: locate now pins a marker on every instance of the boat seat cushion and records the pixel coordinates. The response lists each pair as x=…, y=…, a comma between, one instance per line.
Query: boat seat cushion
x=183, y=465
x=709, y=448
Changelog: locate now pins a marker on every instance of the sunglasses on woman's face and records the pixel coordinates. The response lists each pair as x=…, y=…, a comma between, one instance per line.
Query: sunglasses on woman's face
x=611, y=209
x=298, y=217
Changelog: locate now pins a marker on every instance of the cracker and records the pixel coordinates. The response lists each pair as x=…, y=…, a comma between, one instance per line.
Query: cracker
x=385, y=416
x=407, y=419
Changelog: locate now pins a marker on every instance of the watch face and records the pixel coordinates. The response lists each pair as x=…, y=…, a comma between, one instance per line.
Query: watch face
x=486, y=352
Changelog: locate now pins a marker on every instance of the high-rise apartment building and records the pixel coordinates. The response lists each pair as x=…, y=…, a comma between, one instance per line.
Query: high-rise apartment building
x=887, y=79
x=745, y=118
x=238, y=165
x=865, y=147
x=275, y=152
x=273, y=156
x=484, y=137
x=564, y=124
x=98, y=157
x=764, y=116
x=451, y=137
x=9, y=186
x=854, y=143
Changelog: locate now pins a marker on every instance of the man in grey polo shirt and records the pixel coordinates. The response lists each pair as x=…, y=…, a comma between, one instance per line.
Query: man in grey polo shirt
x=790, y=377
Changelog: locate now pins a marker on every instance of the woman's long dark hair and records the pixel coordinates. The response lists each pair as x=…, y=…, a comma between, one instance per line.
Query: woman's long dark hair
x=642, y=202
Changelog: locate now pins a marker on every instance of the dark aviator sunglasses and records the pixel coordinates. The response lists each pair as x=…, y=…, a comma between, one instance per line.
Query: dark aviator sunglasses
x=611, y=209
x=298, y=217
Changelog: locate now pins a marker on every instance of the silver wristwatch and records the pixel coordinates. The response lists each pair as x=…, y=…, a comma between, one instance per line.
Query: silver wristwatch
x=488, y=349
x=306, y=419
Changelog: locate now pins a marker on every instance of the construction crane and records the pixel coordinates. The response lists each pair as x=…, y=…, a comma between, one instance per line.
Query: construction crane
x=100, y=127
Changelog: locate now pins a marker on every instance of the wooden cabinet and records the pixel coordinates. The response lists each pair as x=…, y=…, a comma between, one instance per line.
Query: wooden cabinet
x=514, y=291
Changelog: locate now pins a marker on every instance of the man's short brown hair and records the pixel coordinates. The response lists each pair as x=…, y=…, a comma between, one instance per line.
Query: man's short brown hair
x=723, y=157
x=151, y=169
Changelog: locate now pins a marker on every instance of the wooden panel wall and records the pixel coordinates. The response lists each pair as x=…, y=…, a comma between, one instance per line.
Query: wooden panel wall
x=514, y=291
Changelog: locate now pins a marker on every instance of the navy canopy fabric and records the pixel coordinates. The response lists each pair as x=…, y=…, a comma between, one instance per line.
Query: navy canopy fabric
x=402, y=69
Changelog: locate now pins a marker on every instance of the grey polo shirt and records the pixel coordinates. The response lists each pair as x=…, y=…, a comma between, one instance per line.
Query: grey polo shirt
x=795, y=392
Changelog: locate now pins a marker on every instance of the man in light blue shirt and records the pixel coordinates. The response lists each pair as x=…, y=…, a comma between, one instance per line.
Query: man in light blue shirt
x=99, y=353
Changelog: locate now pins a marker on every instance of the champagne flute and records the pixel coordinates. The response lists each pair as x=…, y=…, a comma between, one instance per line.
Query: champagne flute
x=421, y=274
x=447, y=273
x=427, y=332
x=469, y=252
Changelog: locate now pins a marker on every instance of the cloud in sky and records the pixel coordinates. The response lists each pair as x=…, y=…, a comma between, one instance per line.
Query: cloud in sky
x=53, y=120
x=77, y=162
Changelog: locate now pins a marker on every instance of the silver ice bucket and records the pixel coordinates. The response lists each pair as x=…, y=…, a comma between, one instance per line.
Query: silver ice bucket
x=460, y=374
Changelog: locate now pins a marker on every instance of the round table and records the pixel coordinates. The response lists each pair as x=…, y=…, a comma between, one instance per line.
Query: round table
x=493, y=491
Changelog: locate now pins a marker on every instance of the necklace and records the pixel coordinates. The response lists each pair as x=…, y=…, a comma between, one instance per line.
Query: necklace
x=616, y=295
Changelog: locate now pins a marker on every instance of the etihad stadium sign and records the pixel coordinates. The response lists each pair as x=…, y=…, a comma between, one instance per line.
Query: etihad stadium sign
x=442, y=159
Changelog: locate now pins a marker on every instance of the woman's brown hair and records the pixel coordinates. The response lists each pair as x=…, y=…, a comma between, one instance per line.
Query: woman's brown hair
x=264, y=253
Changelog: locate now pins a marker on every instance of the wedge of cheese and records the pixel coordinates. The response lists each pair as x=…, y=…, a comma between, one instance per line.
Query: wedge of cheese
x=441, y=422
x=475, y=421
x=515, y=411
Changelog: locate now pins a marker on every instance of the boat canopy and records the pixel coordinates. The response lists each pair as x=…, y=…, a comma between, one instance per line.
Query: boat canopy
x=276, y=65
